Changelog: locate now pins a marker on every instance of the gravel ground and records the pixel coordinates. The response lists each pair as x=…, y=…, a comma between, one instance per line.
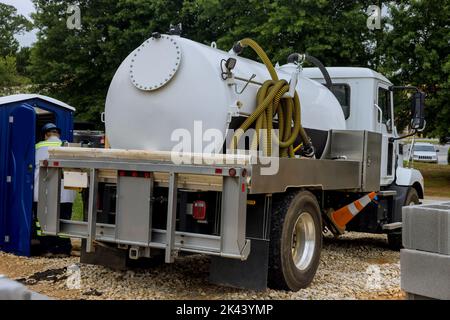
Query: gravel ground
x=355, y=266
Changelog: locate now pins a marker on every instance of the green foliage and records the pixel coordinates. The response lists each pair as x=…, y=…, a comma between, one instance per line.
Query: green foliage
x=413, y=48
x=8, y=73
x=416, y=52
x=23, y=61
x=85, y=61
x=11, y=24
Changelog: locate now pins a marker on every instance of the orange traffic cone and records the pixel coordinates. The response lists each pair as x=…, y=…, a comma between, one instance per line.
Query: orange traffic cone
x=341, y=217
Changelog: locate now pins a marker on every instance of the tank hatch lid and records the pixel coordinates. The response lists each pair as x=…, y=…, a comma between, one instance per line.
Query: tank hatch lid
x=155, y=63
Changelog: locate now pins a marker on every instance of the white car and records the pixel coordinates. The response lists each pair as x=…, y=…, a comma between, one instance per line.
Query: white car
x=425, y=152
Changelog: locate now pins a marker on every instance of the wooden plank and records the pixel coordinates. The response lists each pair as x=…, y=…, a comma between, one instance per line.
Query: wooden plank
x=158, y=156
x=185, y=181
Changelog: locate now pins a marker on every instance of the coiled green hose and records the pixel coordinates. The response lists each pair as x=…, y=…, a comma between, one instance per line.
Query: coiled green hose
x=270, y=105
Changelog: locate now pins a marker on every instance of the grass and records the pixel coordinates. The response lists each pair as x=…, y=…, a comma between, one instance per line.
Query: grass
x=77, y=211
x=437, y=179
x=431, y=141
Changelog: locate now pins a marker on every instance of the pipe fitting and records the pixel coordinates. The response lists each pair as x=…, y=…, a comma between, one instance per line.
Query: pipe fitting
x=238, y=48
x=300, y=58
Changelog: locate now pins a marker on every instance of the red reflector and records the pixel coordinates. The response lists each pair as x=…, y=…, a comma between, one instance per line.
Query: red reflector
x=232, y=172
x=122, y=173
x=134, y=174
x=243, y=187
x=56, y=164
x=199, y=210
x=147, y=175
x=219, y=171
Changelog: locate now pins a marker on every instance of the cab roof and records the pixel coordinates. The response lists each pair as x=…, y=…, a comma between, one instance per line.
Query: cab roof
x=345, y=73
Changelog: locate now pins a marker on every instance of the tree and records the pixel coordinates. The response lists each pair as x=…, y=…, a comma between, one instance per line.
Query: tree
x=23, y=60
x=8, y=73
x=411, y=49
x=83, y=62
x=11, y=24
x=333, y=30
x=416, y=52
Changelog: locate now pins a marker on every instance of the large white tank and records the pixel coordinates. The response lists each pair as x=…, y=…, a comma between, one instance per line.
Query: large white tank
x=172, y=83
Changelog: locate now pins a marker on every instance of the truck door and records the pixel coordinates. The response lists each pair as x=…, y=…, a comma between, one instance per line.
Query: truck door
x=386, y=127
x=19, y=192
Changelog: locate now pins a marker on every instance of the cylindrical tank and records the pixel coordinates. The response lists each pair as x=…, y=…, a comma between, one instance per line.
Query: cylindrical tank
x=171, y=83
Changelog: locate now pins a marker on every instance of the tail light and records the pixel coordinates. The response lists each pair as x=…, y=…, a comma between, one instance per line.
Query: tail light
x=135, y=174
x=199, y=210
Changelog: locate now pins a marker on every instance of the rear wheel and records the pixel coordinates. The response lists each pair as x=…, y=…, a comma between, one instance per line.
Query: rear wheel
x=395, y=239
x=295, y=241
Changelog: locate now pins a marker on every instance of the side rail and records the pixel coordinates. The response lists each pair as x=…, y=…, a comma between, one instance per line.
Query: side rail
x=134, y=207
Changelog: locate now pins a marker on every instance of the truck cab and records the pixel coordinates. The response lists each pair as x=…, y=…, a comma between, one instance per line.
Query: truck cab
x=368, y=104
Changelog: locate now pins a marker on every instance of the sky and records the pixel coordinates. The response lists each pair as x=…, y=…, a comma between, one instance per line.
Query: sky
x=25, y=8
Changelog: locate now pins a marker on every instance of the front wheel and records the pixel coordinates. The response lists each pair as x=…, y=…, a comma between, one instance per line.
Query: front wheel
x=412, y=198
x=295, y=240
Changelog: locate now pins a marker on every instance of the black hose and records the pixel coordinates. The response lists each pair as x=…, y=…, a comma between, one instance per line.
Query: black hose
x=296, y=57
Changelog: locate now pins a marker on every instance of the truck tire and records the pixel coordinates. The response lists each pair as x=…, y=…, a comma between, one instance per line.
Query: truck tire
x=295, y=240
x=395, y=239
x=412, y=198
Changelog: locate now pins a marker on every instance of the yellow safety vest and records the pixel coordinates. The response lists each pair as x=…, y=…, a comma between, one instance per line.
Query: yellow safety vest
x=38, y=229
x=43, y=144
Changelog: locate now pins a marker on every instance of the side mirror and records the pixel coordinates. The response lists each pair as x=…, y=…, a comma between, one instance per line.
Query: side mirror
x=418, y=111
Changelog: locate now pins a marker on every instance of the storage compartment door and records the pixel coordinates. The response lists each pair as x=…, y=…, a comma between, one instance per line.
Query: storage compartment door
x=134, y=209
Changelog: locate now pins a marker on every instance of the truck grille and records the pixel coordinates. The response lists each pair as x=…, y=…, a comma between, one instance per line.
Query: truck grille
x=425, y=158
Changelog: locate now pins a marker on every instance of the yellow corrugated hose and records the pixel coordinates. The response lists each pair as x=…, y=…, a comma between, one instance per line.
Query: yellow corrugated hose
x=270, y=105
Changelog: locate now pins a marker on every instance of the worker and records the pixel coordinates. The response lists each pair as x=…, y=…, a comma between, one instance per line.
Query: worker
x=51, y=246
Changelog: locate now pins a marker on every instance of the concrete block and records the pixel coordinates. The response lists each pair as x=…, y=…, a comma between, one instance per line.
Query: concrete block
x=427, y=228
x=425, y=274
x=12, y=290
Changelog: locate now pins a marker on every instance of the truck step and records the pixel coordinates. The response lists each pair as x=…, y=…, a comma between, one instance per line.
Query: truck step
x=387, y=193
x=392, y=226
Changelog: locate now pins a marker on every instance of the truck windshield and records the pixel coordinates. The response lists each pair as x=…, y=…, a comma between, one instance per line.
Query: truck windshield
x=424, y=148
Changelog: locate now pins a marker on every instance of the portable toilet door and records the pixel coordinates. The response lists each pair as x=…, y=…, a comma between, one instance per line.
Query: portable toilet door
x=18, y=127
x=20, y=180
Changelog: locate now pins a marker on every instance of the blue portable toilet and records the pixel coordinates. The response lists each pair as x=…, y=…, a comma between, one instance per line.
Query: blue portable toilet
x=21, y=119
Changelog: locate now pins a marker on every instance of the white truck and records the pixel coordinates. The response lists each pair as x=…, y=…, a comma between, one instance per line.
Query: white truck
x=258, y=209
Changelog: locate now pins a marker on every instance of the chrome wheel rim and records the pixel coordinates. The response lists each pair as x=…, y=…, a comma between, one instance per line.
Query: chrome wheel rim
x=303, y=241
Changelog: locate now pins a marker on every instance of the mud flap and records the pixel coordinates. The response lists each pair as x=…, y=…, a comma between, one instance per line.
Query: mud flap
x=250, y=274
x=104, y=256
